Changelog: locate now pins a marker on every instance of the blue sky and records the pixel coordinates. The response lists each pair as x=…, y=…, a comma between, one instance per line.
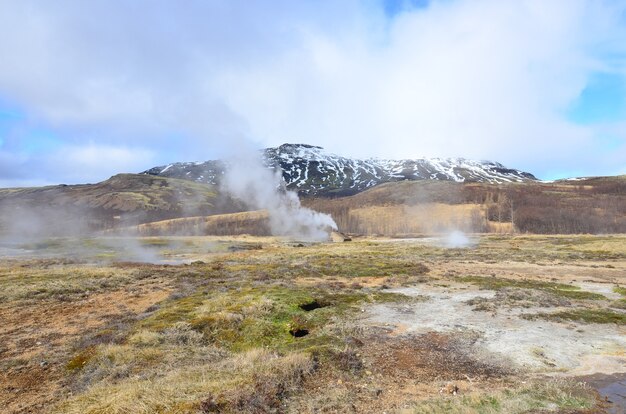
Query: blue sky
x=90, y=89
x=603, y=99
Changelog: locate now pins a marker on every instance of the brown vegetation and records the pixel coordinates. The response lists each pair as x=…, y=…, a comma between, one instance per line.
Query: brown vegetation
x=255, y=223
x=122, y=200
x=595, y=206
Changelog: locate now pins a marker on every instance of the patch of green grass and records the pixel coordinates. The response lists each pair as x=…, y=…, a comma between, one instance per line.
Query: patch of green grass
x=559, y=289
x=584, y=315
x=386, y=297
x=173, y=311
x=535, y=397
x=61, y=283
x=154, y=242
x=249, y=317
x=44, y=244
x=81, y=359
x=229, y=324
x=619, y=289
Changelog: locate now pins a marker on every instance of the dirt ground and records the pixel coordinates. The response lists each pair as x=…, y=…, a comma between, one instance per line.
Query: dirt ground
x=35, y=337
x=481, y=320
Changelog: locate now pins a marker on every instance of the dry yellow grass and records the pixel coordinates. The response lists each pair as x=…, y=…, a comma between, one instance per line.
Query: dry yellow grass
x=250, y=222
x=235, y=384
x=421, y=218
x=215, y=335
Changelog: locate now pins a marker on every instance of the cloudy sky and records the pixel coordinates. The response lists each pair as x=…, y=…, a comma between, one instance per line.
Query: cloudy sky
x=92, y=88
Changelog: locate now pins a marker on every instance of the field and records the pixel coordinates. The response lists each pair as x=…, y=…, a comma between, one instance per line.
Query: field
x=508, y=324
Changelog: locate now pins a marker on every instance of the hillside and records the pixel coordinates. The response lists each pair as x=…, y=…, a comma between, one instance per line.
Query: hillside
x=254, y=223
x=311, y=171
x=124, y=199
x=592, y=205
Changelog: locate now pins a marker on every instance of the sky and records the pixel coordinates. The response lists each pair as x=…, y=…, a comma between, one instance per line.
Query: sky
x=91, y=89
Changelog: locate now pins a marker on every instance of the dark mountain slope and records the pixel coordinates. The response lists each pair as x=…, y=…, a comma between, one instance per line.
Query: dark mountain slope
x=311, y=171
x=123, y=199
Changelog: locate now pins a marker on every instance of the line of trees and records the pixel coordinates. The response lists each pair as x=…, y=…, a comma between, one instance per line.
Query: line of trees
x=596, y=206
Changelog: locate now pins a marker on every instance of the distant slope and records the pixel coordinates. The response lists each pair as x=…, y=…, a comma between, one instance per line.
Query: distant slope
x=592, y=205
x=255, y=223
x=311, y=171
x=595, y=205
x=124, y=199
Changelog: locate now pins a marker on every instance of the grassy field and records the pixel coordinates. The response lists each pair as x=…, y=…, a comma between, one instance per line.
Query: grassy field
x=266, y=325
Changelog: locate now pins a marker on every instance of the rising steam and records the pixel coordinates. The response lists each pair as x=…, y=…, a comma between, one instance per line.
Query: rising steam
x=458, y=240
x=259, y=187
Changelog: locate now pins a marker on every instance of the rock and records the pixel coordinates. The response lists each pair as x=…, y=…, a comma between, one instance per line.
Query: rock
x=338, y=237
x=449, y=388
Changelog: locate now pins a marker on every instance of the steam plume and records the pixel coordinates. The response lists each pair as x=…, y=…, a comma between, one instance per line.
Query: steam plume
x=248, y=179
x=457, y=239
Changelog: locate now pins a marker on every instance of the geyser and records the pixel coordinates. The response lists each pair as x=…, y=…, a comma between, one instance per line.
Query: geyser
x=247, y=179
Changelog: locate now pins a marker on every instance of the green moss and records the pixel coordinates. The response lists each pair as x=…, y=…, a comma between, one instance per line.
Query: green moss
x=44, y=244
x=81, y=359
x=619, y=289
x=534, y=397
x=384, y=297
x=558, y=289
x=584, y=315
x=262, y=316
x=172, y=311
x=156, y=242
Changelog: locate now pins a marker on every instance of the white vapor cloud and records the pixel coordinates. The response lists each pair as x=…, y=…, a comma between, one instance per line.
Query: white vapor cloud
x=162, y=81
x=247, y=179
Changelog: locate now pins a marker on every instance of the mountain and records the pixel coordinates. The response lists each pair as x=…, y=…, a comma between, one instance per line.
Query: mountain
x=591, y=205
x=311, y=171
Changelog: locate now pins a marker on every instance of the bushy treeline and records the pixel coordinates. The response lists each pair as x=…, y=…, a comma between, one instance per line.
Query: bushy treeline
x=595, y=206
x=255, y=223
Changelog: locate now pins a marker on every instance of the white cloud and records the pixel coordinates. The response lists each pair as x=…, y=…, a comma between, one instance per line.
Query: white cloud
x=70, y=164
x=481, y=78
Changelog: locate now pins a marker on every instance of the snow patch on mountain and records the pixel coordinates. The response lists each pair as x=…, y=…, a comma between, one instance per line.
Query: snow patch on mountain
x=310, y=170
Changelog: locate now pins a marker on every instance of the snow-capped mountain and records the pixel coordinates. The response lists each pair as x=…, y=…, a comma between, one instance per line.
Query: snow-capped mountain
x=310, y=170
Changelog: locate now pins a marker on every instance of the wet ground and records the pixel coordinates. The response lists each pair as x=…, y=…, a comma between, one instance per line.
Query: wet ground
x=612, y=389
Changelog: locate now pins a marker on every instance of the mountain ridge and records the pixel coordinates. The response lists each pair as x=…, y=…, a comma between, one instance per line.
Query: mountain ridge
x=311, y=171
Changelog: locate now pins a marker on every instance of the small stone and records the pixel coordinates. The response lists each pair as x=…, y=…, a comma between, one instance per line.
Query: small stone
x=368, y=372
x=339, y=381
x=450, y=388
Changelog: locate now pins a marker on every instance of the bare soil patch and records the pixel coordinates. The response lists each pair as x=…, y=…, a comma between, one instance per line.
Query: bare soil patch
x=37, y=336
